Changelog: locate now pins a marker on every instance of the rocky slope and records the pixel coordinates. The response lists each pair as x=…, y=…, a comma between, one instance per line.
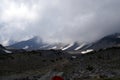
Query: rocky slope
x=44, y=64
x=106, y=42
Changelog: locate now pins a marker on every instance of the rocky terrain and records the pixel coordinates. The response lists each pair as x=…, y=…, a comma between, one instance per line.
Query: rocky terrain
x=44, y=64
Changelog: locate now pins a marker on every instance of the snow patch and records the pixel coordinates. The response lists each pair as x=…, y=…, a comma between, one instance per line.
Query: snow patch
x=55, y=47
x=68, y=46
x=44, y=46
x=26, y=47
x=87, y=51
x=80, y=46
x=7, y=51
x=74, y=57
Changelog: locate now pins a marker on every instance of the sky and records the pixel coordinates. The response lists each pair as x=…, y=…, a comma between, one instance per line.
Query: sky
x=58, y=20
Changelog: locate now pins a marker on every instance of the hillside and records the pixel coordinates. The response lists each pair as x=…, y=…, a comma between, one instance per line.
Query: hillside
x=106, y=42
x=43, y=64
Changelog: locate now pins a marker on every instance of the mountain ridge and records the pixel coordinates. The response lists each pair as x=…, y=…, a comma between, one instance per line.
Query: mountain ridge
x=32, y=44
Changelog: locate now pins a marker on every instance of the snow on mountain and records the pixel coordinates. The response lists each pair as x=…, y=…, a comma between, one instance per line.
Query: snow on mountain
x=31, y=44
x=44, y=46
x=79, y=47
x=34, y=44
x=70, y=45
x=87, y=51
x=7, y=51
x=26, y=47
x=54, y=47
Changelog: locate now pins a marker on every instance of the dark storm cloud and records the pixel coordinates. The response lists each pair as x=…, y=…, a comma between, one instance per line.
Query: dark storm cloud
x=58, y=20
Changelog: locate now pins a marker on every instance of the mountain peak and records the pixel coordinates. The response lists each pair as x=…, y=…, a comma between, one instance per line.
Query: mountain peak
x=32, y=43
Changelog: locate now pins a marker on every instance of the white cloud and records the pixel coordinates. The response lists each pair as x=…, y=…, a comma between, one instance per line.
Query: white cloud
x=18, y=11
x=58, y=20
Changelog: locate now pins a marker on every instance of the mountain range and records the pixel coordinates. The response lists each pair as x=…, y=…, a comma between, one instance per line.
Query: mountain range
x=35, y=44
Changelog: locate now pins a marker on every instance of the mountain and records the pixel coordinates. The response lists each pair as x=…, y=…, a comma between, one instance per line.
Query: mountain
x=35, y=43
x=106, y=42
x=31, y=44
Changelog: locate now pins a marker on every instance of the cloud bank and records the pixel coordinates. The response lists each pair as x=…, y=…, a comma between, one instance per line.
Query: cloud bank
x=58, y=20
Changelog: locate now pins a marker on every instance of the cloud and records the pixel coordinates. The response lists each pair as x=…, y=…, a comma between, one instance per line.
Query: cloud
x=58, y=20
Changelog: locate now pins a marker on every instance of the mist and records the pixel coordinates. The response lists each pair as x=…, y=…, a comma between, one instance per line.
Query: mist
x=58, y=20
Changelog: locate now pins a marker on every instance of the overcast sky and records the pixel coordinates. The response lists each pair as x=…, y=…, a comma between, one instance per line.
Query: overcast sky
x=58, y=20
